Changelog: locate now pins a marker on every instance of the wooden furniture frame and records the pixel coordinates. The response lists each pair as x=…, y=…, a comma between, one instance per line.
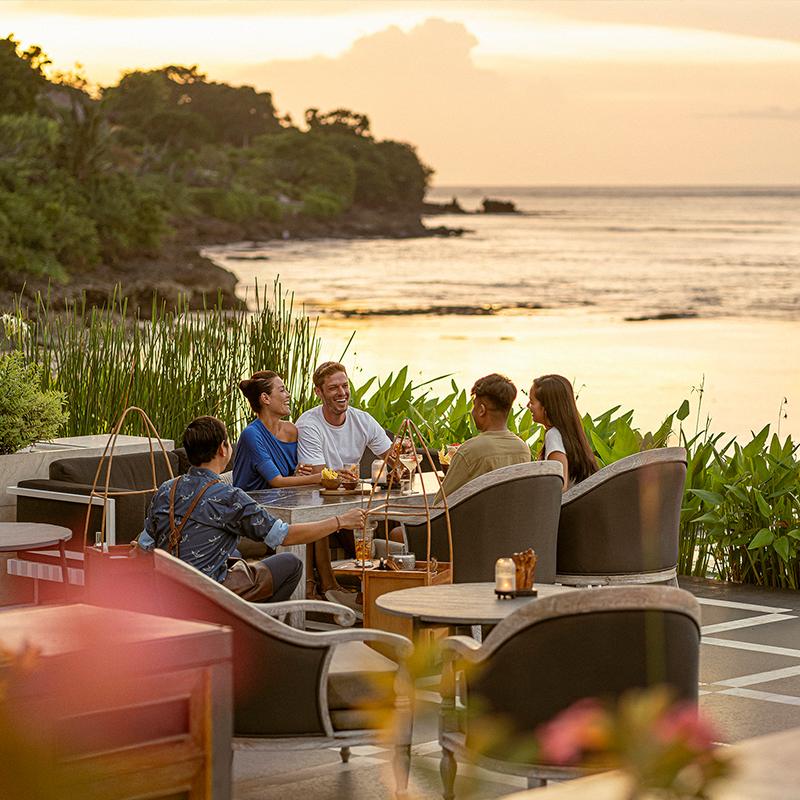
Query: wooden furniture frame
x=117, y=705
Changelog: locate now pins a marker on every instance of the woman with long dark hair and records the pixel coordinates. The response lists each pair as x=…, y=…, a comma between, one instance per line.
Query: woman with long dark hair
x=552, y=404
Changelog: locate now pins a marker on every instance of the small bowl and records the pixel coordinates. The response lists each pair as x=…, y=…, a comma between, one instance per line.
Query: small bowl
x=332, y=483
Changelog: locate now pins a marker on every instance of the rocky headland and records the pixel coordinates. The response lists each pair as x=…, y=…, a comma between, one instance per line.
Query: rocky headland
x=178, y=269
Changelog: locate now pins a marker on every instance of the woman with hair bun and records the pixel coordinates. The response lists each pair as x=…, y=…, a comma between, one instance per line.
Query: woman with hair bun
x=266, y=453
x=552, y=404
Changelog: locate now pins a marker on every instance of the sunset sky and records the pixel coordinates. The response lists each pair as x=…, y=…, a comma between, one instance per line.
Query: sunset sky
x=584, y=92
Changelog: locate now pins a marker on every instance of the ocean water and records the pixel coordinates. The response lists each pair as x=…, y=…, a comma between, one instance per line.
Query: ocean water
x=722, y=263
x=704, y=252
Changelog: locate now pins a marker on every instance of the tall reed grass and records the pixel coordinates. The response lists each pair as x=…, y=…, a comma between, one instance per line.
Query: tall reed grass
x=179, y=365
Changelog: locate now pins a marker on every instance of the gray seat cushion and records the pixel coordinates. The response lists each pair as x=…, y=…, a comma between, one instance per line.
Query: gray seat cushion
x=360, y=687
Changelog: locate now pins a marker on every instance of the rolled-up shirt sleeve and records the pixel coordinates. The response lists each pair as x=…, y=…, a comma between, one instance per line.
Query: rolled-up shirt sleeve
x=255, y=522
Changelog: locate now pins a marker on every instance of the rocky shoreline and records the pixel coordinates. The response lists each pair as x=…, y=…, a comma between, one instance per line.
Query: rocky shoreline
x=178, y=269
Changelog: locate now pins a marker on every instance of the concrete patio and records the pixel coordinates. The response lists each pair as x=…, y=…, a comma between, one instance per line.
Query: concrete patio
x=749, y=685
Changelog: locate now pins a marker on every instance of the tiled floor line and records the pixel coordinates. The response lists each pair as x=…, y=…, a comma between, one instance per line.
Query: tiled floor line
x=761, y=677
x=753, y=694
x=752, y=646
x=704, y=601
x=746, y=622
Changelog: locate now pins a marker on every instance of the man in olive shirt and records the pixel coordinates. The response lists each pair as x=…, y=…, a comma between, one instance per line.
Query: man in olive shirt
x=496, y=446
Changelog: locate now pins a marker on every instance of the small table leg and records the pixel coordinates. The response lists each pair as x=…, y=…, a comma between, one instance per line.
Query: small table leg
x=64, y=570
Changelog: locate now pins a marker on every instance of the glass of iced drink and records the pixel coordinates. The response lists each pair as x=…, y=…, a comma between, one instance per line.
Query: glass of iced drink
x=363, y=539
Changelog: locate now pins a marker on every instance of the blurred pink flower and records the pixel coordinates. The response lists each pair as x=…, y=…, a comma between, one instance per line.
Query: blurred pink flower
x=682, y=722
x=582, y=727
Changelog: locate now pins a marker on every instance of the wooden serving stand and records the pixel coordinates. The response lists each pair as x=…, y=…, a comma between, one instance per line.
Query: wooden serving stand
x=376, y=582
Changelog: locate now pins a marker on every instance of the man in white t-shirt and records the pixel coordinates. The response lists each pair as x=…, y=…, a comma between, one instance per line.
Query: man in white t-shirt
x=331, y=435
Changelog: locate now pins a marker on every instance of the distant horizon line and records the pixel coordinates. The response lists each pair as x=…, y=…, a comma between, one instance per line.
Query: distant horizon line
x=727, y=186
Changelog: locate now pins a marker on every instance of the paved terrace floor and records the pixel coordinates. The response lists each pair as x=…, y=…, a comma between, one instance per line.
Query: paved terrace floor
x=749, y=685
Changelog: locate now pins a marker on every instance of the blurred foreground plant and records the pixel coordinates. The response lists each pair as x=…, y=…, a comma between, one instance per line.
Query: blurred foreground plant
x=667, y=749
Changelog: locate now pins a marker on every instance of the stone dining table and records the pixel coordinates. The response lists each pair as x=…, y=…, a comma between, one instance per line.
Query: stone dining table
x=307, y=504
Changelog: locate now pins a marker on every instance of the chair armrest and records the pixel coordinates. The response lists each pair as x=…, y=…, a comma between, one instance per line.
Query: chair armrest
x=343, y=615
x=465, y=647
x=402, y=646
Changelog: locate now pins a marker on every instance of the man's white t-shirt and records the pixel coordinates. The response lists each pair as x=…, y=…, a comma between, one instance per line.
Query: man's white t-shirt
x=319, y=442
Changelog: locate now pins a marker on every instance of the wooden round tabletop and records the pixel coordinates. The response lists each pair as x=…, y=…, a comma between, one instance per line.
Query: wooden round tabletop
x=30, y=535
x=458, y=603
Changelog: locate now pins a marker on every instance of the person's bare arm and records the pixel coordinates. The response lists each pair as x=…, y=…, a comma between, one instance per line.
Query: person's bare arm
x=305, y=532
x=562, y=459
x=280, y=481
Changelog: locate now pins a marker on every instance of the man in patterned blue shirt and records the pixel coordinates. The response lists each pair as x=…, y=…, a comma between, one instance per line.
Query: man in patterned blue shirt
x=200, y=519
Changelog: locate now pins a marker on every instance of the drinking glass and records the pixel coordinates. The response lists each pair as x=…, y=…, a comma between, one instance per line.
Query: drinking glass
x=363, y=538
x=408, y=458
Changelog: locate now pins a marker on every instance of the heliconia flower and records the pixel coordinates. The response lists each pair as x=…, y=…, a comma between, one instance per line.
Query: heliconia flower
x=583, y=727
x=683, y=723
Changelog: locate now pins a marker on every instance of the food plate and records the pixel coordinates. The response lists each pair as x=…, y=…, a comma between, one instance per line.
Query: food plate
x=342, y=492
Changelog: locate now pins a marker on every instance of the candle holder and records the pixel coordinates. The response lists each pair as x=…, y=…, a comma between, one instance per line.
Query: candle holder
x=505, y=573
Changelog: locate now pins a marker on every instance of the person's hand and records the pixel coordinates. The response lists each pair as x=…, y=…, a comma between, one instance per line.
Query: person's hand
x=353, y=519
x=303, y=469
x=347, y=476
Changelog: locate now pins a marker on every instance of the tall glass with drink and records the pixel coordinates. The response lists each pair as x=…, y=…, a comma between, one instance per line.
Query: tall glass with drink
x=363, y=540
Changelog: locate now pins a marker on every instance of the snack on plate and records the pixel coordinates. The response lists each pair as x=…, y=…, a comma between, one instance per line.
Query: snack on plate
x=331, y=479
x=444, y=456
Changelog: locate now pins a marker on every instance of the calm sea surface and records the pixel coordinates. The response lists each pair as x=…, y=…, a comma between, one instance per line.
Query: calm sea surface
x=587, y=260
x=629, y=252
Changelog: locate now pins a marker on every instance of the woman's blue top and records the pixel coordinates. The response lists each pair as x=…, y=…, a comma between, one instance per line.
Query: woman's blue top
x=260, y=457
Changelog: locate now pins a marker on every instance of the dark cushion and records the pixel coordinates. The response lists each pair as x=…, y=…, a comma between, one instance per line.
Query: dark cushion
x=128, y=471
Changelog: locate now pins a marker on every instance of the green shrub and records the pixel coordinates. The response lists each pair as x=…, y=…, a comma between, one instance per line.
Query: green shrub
x=322, y=203
x=270, y=209
x=27, y=414
x=229, y=205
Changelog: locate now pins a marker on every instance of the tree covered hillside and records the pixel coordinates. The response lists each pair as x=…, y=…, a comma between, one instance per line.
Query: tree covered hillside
x=99, y=176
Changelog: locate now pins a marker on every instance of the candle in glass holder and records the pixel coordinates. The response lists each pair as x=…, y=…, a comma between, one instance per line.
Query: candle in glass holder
x=505, y=577
x=378, y=472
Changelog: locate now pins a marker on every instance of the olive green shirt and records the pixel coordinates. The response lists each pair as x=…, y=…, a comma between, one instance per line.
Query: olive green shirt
x=484, y=453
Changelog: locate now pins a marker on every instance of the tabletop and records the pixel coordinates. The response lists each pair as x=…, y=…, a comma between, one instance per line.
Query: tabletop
x=458, y=603
x=306, y=504
x=30, y=535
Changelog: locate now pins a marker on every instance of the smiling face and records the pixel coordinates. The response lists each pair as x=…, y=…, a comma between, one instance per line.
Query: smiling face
x=277, y=401
x=335, y=395
x=537, y=409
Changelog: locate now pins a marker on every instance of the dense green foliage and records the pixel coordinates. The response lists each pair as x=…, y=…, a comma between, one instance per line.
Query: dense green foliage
x=740, y=518
x=27, y=414
x=87, y=177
